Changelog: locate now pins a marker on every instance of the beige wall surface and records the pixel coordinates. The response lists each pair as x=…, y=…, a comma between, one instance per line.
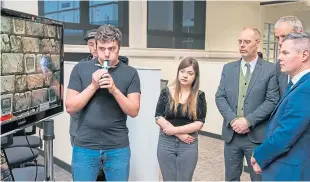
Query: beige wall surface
x=300, y=10
x=30, y=7
x=226, y=19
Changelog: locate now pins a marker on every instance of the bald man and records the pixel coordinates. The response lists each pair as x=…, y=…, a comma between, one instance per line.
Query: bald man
x=247, y=94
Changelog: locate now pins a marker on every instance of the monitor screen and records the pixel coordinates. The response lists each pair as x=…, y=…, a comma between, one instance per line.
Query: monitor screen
x=31, y=69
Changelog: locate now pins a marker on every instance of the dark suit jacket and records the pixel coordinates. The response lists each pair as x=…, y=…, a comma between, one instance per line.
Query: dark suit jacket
x=261, y=98
x=282, y=79
x=285, y=153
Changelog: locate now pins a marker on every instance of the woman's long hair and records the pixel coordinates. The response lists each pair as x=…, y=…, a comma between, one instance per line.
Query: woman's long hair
x=190, y=105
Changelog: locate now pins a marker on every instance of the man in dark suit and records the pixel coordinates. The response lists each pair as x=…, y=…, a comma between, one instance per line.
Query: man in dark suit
x=247, y=94
x=284, y=26
x=285, y=152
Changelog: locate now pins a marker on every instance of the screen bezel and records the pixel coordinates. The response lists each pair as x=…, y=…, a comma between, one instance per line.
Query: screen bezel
x=9, y=127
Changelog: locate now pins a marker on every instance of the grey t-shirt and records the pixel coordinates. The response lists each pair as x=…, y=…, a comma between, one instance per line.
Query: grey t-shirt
x=74, y=116
x=102, y=123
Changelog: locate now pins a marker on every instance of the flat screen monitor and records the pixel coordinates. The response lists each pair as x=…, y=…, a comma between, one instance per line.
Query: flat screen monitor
x=31, y=69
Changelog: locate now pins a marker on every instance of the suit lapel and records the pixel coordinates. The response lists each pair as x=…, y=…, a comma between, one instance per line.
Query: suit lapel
x=304, y=78
x=236, y=71
x=257, y=70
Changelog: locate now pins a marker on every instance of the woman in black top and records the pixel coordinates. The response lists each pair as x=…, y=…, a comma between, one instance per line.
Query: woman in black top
x=180, y=113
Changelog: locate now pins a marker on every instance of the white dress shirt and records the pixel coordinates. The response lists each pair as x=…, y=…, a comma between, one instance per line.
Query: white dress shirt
x=297, y=77
x=252, y=65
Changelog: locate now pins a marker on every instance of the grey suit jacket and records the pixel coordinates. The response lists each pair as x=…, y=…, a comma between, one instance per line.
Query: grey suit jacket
x=282, y=79
x=261, y=98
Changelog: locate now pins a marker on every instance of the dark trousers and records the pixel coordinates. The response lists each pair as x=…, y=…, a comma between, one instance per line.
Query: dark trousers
x=234, y=153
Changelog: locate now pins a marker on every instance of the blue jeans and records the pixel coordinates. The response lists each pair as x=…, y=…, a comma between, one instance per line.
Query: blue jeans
x=86, y=164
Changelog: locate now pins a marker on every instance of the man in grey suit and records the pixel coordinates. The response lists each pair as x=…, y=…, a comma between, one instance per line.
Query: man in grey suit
x=284, y=26
x=247, y=95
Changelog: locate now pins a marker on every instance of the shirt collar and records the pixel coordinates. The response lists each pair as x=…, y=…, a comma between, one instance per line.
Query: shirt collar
x=297, y=77
x=252, y=63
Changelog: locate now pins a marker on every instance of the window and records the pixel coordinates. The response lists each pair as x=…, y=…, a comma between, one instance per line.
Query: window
x=176, y=24
x=270, y=46
x=81, y=16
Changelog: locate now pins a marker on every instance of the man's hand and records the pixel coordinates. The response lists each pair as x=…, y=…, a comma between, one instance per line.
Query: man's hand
x=241, y=126
x=107, y=82
x=170, y=130
x=186, y=138
x=255, y=166
x=97, y=76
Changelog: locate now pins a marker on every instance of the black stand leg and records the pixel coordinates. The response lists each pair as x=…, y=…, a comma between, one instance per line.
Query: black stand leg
x=48, y=136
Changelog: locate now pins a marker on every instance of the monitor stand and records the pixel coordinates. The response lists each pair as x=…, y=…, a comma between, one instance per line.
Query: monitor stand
x=48, y=137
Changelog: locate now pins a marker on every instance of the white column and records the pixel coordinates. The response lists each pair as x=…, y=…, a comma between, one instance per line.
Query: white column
x=137, y=24
x=143, y=131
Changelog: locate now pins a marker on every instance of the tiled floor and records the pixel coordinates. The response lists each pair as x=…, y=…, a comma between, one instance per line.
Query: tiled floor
x=210, y=165
x=59, y=173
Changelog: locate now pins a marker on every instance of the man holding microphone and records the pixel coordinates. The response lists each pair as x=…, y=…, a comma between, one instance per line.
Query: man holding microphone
x=103, y=99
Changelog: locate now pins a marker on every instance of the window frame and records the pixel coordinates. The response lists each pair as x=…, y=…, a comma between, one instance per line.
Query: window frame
x=178, y=27
x=84, y=20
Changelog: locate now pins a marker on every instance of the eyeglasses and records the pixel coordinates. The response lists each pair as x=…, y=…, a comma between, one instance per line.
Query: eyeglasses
x=246, y=42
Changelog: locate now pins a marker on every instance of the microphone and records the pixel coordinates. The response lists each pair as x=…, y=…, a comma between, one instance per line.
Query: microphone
x=106, y=64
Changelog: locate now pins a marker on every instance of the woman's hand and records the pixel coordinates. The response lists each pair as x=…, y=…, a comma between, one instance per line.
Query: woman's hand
x=186, y=138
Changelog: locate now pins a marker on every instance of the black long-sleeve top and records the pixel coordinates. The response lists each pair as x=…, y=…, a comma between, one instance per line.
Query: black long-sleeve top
x=163, y=109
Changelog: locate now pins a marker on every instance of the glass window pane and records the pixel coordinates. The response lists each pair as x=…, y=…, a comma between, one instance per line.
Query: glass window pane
x=188, y=15
x=96, y=2
x=55, y=6
x=154, y=41
x=191, y=43
x=160, y=15
x=104, y=14
x=73, y=36
x=194, y=17
x=50, y=6
x=174, y=42
x=80, y=16
x=178, y=25
x=72, y=16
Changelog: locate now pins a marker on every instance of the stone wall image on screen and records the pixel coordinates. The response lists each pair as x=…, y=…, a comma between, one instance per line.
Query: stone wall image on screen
x=30, y=65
